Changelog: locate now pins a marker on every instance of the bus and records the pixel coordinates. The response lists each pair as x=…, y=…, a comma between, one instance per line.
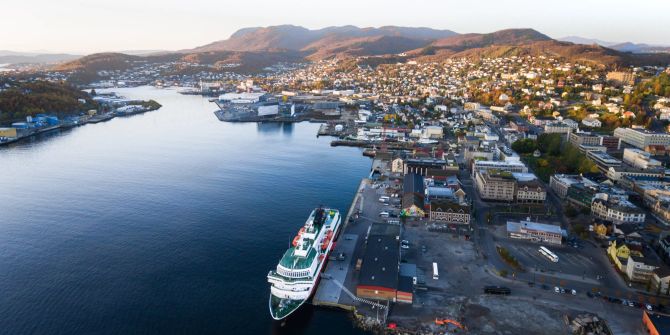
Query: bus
x=550, y=255
x=436, y=274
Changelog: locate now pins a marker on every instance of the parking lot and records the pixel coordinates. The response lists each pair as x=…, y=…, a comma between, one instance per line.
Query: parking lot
x=570, y=260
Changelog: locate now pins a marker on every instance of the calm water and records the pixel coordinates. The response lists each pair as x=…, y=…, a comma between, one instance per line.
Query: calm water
x=165, y=222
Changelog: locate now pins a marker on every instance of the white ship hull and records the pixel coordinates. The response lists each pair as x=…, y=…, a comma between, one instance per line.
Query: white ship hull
x=288, y=294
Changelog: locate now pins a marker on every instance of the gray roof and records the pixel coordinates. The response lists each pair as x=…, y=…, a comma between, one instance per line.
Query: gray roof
x=549, y=228
x=381, y=259
x=413, y=183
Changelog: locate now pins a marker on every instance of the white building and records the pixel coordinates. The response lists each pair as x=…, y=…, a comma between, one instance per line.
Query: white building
x=592, y=122
x=616, y=209
x=641, y=138
x=640, y=159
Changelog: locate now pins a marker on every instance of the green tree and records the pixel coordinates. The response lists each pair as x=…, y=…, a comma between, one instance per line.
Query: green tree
x=549, y=143
x=524, y=146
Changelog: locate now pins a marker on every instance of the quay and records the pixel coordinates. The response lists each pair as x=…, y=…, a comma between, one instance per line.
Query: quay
x=337, y=286
x=27, y=133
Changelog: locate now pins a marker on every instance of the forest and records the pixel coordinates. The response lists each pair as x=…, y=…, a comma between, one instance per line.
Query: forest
x=21, y=99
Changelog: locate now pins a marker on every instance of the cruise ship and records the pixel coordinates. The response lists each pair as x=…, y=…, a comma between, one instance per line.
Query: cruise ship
x=297, y=274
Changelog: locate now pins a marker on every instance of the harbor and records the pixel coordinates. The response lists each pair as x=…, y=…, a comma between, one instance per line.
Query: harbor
x=175, y=213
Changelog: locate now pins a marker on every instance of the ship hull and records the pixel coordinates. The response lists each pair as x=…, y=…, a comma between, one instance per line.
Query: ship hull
x=281, y=307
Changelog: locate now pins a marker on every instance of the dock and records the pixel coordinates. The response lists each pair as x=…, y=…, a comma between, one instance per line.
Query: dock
x=329, y=292
x=338, y=281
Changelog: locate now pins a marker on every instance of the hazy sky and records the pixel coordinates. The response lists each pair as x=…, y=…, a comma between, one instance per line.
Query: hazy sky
x=86, y=26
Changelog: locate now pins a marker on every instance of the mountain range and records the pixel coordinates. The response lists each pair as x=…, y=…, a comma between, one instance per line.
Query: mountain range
x=13, y=57
x=258, y=47
x=625, y=46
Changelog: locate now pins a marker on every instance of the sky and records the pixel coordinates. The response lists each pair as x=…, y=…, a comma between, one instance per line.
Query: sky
x=85, y=26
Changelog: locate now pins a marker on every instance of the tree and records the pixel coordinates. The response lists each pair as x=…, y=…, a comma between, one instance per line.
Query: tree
x=549, y=143
x=524, y=146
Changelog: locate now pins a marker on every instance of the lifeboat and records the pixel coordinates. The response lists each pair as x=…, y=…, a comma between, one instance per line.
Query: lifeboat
x=296, y=239
x=326, y=240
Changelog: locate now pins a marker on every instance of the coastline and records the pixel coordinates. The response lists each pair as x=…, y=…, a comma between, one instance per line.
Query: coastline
x=62, y=126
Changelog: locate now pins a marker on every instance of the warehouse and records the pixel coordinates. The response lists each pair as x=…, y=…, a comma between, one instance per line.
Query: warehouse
x=379, y=271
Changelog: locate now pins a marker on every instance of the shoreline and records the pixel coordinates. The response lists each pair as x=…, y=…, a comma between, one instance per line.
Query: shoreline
x=64, y=126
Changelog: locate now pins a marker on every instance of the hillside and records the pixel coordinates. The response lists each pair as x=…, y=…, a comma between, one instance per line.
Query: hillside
x=348, y=40
x=363, y=46
x=253, y=49
x=523, y=42
x=30, y=98
x=99, y=62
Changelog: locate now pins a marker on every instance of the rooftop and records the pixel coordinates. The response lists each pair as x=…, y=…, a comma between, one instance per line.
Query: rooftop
x=530, y=225
x=382, y=256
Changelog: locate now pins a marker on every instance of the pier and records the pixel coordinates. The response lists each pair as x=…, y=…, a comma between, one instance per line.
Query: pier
x=338, y=281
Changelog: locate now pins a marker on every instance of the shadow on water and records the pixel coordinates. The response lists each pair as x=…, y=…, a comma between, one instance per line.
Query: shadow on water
x=35, y=140
x=268, y=128
x=287, y=129
x=271, y=128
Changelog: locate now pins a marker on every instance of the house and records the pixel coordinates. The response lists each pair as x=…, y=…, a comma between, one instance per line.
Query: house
x=413, y=195
x=592, y=122
x=640, y=269
x=618, y=252
x=529, y=192
x=600, y=229
x=397, y=165
x=660, y=280
x=616, y=210
x=449, y=212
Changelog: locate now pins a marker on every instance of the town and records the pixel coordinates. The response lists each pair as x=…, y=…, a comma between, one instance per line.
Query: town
x=505, y=189
x=500, y=189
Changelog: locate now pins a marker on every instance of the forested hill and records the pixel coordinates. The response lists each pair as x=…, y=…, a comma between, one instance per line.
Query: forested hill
x=21, y=99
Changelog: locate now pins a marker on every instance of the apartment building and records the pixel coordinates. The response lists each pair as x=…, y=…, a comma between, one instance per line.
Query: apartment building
x=641, y=138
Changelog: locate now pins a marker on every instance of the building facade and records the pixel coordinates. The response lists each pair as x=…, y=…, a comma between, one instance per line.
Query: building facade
x=495, y=185
x=449, y=212
x=641, y=138
x=536, y=232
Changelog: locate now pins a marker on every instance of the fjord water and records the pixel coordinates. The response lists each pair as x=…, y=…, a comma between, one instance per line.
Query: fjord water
x=162, y=223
